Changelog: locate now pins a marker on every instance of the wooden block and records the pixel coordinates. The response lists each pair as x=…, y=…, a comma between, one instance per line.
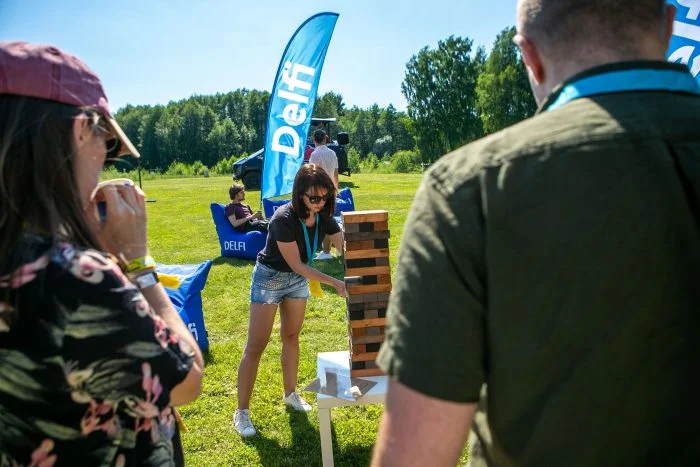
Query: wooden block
x=384, y=279
x=364, y=245
x=362, y=364
x=371, y=271
x=363, y=357
x=370, y=297
x=362, y=298
x=383, y=297
x=368, y=323
x=356, y=217
x=375, y=331
x=366, y=263
x=383, y=225
x=377, y=253
x=367, y=306
x=366, y=314
x=351, y=228
x=362, y=236
x=370, y=372
x=367, y=339
x=364, y=289
x=366, y=348
x=353, y=299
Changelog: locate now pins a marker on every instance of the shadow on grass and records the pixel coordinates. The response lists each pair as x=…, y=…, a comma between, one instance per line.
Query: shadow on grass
x=208, y=357
x=342, y=185
x=233, y=261
x=305, y=445
x=352, y=455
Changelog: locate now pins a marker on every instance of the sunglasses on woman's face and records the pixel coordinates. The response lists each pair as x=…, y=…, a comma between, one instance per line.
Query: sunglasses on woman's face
x=315, y=199
x=112, y=143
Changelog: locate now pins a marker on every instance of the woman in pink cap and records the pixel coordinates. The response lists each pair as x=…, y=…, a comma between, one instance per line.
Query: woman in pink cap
x=92, y=354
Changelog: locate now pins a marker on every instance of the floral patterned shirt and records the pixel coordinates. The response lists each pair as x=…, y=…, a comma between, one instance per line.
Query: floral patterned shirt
x=86, y=366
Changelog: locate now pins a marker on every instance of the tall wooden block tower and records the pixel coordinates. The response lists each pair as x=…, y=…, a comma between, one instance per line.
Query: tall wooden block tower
x=368, y=284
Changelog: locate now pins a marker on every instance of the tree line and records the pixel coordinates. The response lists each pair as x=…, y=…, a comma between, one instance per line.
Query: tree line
x=455, y=94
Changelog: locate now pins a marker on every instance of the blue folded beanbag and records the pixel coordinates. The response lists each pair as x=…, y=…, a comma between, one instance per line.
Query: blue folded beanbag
x=183, y=284
x=343, y=203
x=235, y=244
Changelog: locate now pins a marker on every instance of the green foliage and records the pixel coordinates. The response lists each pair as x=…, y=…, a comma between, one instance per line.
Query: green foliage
x=369, y=163
x=383, y=146
x=405, y=162
x=201, y=128
x=503, y=91
x=225, y=165
x=440, y=87
x=354, y=160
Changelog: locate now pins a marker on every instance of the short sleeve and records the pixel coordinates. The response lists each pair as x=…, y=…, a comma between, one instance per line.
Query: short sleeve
x=435, y=339
x=332, y=226
x=281, y=227
x=115, y=347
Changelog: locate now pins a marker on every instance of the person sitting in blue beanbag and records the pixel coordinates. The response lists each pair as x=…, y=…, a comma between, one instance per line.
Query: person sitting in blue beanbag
x=241, y=217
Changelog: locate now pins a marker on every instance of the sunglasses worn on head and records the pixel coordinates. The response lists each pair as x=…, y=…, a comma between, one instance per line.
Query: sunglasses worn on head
x=315, y=199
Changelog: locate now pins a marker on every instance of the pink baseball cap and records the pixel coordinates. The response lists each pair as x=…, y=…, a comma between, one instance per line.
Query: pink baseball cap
x=46, y=72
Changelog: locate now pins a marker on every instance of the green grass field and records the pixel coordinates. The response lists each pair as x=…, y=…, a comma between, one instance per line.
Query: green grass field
x=181, y=231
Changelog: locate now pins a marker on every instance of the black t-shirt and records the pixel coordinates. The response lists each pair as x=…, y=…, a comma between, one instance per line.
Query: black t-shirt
x=285, y=227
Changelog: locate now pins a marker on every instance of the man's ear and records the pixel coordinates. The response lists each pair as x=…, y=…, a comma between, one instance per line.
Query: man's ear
x=531, y=58
x=670, y=18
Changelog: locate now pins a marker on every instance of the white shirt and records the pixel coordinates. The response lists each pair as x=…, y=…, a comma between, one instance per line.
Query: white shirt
x=325, y=158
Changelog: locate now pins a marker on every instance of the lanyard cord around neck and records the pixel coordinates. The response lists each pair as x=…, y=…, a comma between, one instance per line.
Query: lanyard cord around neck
x=309, y=251
x=626, y=81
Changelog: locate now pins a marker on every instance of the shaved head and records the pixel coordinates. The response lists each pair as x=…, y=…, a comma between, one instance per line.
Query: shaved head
x=562, y=28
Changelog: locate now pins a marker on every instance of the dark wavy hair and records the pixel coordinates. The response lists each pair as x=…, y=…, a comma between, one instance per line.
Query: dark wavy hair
x=312, y=177
x=38, y=189
x=234, y=190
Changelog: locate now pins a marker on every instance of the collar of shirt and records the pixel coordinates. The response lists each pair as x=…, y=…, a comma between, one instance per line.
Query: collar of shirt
x=677, y=75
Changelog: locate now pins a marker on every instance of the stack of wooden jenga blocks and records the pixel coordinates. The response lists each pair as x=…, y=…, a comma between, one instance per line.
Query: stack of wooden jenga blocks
x=368, y=284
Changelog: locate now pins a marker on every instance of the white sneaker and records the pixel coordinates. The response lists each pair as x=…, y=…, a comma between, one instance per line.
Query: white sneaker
x=242, y=423
x=295, y=401
x=322, y=256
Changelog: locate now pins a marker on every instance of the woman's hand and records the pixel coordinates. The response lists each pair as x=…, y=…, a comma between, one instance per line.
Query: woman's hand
x=339, y=287
x=123, y=232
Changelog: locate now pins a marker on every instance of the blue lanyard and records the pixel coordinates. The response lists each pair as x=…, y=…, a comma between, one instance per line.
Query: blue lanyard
x=309, y=251
x=627, y=80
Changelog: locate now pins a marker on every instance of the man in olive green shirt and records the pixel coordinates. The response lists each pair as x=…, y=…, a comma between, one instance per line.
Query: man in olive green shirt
x=555, y=266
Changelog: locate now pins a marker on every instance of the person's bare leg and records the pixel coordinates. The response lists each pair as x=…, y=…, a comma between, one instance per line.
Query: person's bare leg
x=291, y=318
x=262, y=318
x=326, y=244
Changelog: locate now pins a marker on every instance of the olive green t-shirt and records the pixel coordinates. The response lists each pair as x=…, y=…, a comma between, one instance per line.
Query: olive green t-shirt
x=557, y=264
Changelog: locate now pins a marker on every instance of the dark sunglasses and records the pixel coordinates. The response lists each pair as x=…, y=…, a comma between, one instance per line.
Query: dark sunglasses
x=315, y=199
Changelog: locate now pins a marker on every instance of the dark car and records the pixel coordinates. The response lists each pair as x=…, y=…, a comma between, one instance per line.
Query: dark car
x=249, y=169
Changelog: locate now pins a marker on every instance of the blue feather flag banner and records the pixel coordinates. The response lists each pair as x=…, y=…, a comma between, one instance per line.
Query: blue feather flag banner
x=685, y=43
x=292, y=103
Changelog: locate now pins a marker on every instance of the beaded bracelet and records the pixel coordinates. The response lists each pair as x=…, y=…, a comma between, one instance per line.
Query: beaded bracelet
x=140, y=264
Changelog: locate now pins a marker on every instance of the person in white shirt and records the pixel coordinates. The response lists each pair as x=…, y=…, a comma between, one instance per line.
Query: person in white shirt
x=325, y=157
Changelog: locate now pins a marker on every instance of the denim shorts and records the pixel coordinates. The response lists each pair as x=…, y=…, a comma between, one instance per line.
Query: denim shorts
x=270, y=286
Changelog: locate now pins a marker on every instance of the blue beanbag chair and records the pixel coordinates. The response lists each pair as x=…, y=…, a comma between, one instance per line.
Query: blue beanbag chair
x=187, y=297
x=343, y=203
x=270, y=206
x=236, y=244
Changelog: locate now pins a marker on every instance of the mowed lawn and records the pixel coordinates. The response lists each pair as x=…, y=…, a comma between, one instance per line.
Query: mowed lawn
x=181, y=231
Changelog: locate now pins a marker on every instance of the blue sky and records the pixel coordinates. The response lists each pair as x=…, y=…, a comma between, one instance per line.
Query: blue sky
x=154, y=51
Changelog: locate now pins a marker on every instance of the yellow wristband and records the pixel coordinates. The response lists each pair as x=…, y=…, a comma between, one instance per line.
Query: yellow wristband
x=140, y=264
